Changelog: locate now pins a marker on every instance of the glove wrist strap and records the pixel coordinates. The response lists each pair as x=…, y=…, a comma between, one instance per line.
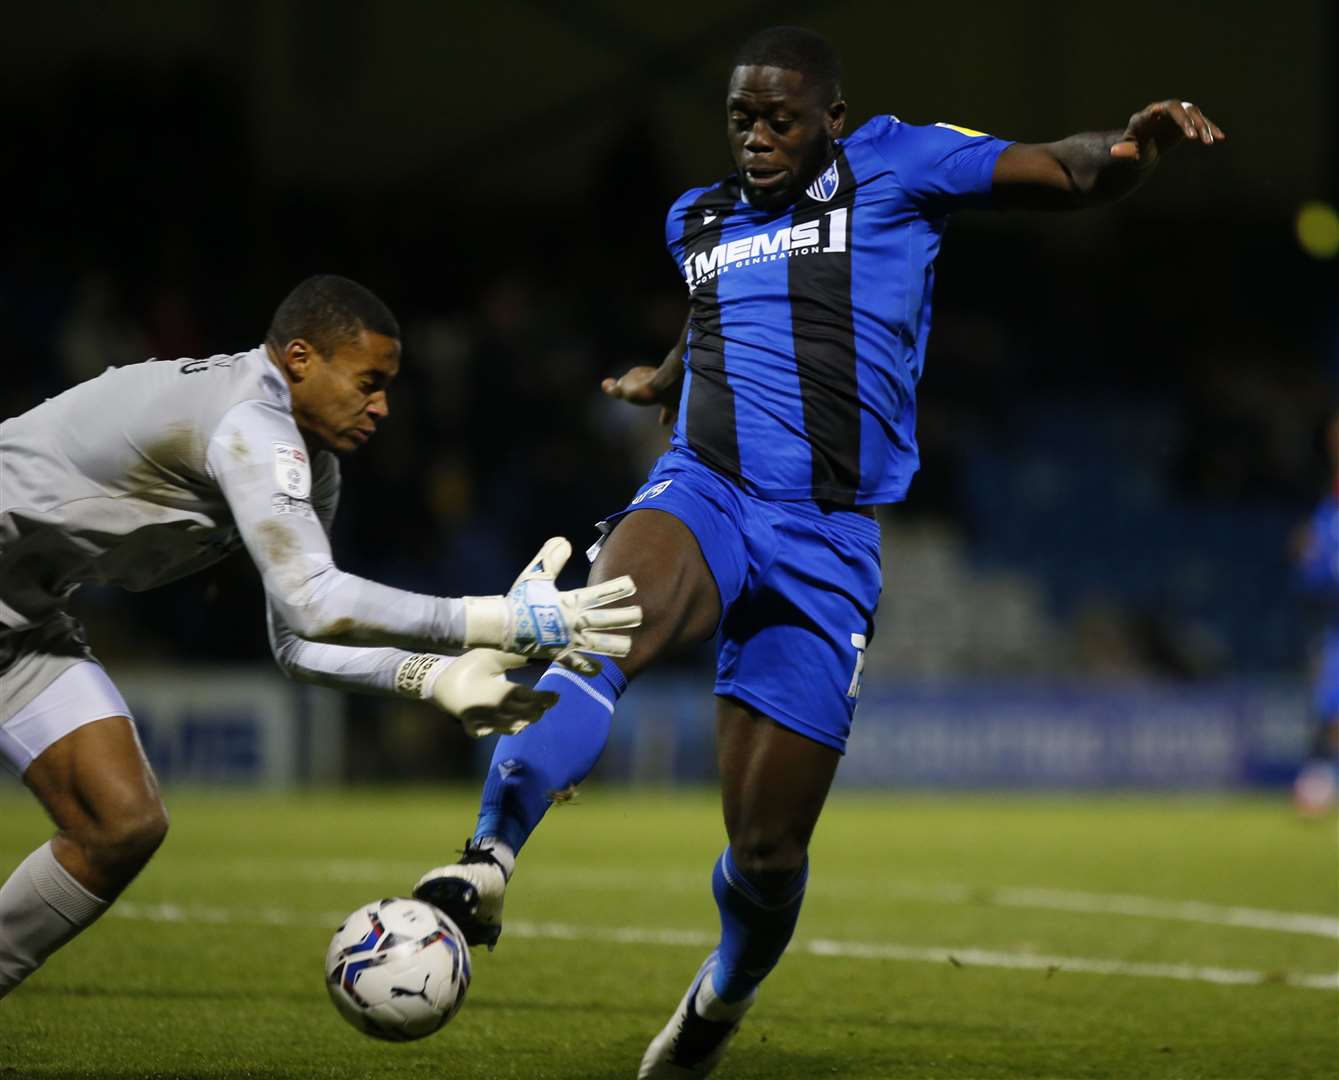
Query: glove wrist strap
x=485, y=621
x=417, y=674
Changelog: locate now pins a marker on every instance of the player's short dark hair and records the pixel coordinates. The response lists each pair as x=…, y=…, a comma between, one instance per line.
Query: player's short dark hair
x=794, y=48
x=328, y=310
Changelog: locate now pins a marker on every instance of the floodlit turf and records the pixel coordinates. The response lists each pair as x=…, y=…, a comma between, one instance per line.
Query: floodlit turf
x=213, y=967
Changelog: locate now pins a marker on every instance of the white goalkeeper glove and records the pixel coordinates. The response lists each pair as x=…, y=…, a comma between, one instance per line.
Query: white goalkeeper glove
x=473, y=688
x=536, y=620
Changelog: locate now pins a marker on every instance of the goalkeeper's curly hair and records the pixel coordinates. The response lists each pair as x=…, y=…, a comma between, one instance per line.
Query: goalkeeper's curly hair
x=328, y=310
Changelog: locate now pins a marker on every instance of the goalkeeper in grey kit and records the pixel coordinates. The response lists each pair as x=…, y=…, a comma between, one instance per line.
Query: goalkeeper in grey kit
x=153, y=471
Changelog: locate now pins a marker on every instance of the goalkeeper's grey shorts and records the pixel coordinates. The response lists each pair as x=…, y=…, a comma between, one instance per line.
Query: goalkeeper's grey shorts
x=50, y=684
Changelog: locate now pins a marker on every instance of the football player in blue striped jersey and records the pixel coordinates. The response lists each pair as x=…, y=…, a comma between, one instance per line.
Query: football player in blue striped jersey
x=792, y=391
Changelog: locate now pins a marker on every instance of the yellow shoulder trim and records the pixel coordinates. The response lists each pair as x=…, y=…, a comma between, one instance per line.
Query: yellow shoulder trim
x=969, y=132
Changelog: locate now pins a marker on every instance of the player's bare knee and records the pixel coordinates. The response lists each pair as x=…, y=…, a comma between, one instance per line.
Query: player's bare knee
x=129, y=838
x=768, y=861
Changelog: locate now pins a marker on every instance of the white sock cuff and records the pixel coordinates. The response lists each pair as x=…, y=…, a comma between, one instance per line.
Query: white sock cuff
x=502, y=852
x=59, y=890
x=711, y=1007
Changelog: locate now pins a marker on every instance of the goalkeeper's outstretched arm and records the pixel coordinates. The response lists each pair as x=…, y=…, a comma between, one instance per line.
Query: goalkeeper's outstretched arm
x=251, y=458
x=472, y=687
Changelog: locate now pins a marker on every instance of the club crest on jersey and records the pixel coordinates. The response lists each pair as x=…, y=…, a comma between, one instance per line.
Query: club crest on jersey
x=822, y=189
x=292, y=470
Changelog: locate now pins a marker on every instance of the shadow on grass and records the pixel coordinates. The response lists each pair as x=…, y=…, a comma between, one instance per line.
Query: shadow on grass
x=753, y=1057
x=252, y=997
x=655, y=1012
x=772, y=1066
x=147, y=993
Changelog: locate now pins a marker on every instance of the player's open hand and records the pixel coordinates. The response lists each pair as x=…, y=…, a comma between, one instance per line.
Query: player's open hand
x=645, y=385
x=1155, y=129
x=474, y=689
x=535, y=619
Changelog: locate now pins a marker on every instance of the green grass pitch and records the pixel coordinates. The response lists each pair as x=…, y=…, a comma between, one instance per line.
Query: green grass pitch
x=906, y=962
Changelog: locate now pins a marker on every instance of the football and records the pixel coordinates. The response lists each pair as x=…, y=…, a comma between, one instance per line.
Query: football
x=397, y=969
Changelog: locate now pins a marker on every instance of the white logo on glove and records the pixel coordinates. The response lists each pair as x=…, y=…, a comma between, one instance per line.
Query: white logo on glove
x=536, y=619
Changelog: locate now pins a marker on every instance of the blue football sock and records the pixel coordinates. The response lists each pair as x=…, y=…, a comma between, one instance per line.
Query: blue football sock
x=756, y=926
x=551, y=755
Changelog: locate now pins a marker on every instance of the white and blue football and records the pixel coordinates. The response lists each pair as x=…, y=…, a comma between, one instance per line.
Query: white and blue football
x=397, y=969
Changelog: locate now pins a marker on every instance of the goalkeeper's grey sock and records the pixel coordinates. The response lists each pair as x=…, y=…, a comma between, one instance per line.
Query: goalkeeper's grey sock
x=41, y=908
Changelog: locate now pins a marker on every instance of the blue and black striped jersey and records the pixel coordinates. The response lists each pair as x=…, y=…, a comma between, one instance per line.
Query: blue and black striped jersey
x=808, y=326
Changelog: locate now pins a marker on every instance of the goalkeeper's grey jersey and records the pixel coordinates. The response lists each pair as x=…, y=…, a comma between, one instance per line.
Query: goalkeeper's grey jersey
x=110, y=481
x=155, y=470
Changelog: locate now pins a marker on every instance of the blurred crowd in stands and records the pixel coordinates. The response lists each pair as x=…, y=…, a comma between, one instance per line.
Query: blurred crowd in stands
x=1120, y=420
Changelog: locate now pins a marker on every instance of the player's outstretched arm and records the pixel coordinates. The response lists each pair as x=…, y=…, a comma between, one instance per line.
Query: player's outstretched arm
x=646, y=385
x=1097, y=167
x=269, y=499
x=472, y=687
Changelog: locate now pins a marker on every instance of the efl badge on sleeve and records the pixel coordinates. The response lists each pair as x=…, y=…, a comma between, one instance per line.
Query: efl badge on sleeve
x=292, y=470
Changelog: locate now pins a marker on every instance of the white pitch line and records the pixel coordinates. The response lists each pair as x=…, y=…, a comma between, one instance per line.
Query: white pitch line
x=823, y=947
x=352, y=871
x=1197, y=911
x=1086, y=965
x=1291, y=922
